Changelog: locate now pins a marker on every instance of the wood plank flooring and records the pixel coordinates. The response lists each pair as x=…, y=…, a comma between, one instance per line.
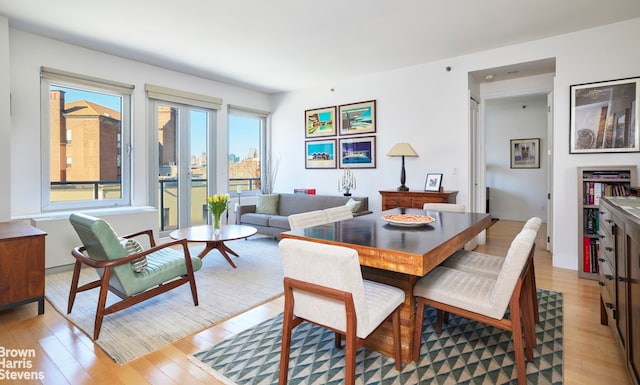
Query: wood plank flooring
x=65, y=355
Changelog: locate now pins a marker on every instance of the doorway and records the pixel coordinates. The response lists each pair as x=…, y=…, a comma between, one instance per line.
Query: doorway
x=182, y=161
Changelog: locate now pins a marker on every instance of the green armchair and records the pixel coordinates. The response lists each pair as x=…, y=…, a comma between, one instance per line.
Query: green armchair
x=120, y=270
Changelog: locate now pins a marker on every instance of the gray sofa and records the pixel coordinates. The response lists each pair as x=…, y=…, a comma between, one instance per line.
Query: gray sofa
x=274, y=224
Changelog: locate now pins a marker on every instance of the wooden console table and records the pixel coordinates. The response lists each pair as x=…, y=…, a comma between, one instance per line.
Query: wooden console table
x=21, y=265
x=392, y=199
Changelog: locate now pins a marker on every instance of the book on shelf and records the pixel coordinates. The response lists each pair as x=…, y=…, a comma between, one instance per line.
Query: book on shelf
x=593, y=191
x=591, y=221
x=591, y=248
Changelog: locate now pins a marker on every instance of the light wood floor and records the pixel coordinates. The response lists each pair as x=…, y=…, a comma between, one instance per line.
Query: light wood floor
x=67, y=356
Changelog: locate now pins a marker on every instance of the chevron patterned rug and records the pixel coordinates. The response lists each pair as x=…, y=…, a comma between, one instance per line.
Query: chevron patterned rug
x=466, y=352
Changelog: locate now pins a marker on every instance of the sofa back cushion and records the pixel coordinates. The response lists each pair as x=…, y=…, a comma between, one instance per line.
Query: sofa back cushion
x=267, y=204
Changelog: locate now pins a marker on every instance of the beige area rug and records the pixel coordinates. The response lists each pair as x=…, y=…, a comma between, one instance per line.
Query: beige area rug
x=223, y=292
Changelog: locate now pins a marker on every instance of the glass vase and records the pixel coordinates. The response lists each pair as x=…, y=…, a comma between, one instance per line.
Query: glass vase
x=216, y=223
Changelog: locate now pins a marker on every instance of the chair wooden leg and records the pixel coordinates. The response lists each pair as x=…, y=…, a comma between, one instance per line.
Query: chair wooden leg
x=518, y=344
x=102, y=300
x=528, y=324
x=337, y=340
x=397, y=348
x=350, y=358
x=74, y=285
x=285, y=349
x=534, y=293
x=417, y=331
x=439, y=319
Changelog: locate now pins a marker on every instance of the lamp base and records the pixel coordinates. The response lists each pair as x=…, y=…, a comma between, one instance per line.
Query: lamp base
x=403, y=188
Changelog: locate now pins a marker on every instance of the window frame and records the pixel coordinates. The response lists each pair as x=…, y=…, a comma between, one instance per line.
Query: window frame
x=264, y=144
x=51, y=77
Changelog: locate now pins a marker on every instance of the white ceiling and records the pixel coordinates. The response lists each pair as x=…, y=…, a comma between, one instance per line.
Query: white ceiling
x=282, y=45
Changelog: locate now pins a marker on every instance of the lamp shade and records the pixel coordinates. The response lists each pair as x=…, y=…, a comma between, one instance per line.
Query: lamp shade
x=402, y=149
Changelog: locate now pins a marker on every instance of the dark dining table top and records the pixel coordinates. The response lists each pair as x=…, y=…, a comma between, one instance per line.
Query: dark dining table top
x=412, y=250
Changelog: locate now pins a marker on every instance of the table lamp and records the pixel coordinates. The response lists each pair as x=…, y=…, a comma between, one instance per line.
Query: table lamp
x=402, y=149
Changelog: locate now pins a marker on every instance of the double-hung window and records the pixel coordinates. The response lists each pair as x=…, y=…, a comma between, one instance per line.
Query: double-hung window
x=247, y=149
x=86, y=126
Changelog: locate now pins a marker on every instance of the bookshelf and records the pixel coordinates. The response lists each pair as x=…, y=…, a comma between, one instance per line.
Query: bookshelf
x=593, y=183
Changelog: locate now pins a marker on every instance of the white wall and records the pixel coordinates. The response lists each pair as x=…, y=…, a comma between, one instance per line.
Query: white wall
x=28, y=52
x=5, y=121
x=428, y=107
x=516, y=194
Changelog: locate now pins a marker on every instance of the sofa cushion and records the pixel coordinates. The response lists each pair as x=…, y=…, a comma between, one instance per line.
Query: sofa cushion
x=255, y=219
x=279, y=221
x=267, y=204
x=353, y=205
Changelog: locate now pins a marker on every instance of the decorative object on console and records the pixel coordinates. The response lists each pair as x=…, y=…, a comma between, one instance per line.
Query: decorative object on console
x=347, y=182
x=402, y=149
x=604, y=117
x=433, y=182
x=525, y=153
x=270, y=171
x=357, y=118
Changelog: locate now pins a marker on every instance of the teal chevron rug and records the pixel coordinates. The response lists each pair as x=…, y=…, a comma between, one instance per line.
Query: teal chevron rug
x=466, y=352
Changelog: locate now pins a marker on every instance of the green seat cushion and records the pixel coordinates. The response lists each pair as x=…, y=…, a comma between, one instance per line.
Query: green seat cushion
x=162, y=266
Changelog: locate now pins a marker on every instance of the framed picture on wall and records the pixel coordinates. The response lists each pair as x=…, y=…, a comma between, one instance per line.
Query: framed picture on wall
x=604, y=117
x=525, y=153
x=357, y=118
x=358, y=152
x=320, y=153
x=320, y=122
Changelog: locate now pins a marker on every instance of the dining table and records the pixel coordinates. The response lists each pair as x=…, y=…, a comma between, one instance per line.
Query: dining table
x=398, y=253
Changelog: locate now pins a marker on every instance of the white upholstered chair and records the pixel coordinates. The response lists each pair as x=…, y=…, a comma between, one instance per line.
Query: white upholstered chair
x=485, y=299
x=307, y=219
x=339, y=213
x=451, y=207
x=489, y=265
x=323, y=285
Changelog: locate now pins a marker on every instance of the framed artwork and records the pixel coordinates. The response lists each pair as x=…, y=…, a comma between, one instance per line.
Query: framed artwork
x=525, y=153
x=320, y=153
x=433, y=182
x=604, y=117
x=320, y=122
x=357, y=118
x=358, y=152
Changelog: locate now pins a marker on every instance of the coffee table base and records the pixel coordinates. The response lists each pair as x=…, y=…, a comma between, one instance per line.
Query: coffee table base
x=222, y=248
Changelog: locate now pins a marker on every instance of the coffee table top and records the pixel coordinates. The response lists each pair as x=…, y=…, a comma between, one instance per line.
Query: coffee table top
x=206, y=233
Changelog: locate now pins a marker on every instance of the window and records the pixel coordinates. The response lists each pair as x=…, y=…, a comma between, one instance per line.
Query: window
x=96, y=114
x=247, y=148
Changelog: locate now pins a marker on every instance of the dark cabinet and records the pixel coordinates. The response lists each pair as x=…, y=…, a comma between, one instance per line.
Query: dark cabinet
x=619, y=276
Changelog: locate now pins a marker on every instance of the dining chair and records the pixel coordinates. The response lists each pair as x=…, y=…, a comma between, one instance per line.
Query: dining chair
x=490, y=265
x=307, y=219
x=451, y=207
x=125, y=268
x=339, y=213
x=323, y=285
x=485, y=299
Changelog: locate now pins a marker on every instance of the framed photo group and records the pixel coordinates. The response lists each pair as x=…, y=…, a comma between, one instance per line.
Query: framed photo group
x=341, y=136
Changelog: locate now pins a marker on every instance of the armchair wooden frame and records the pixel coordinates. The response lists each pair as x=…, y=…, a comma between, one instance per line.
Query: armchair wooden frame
x=127, y=301
x=353, y=342
x=522, y=317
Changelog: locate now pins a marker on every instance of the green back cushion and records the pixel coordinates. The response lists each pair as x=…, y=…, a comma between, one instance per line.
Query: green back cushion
x=268, y=204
